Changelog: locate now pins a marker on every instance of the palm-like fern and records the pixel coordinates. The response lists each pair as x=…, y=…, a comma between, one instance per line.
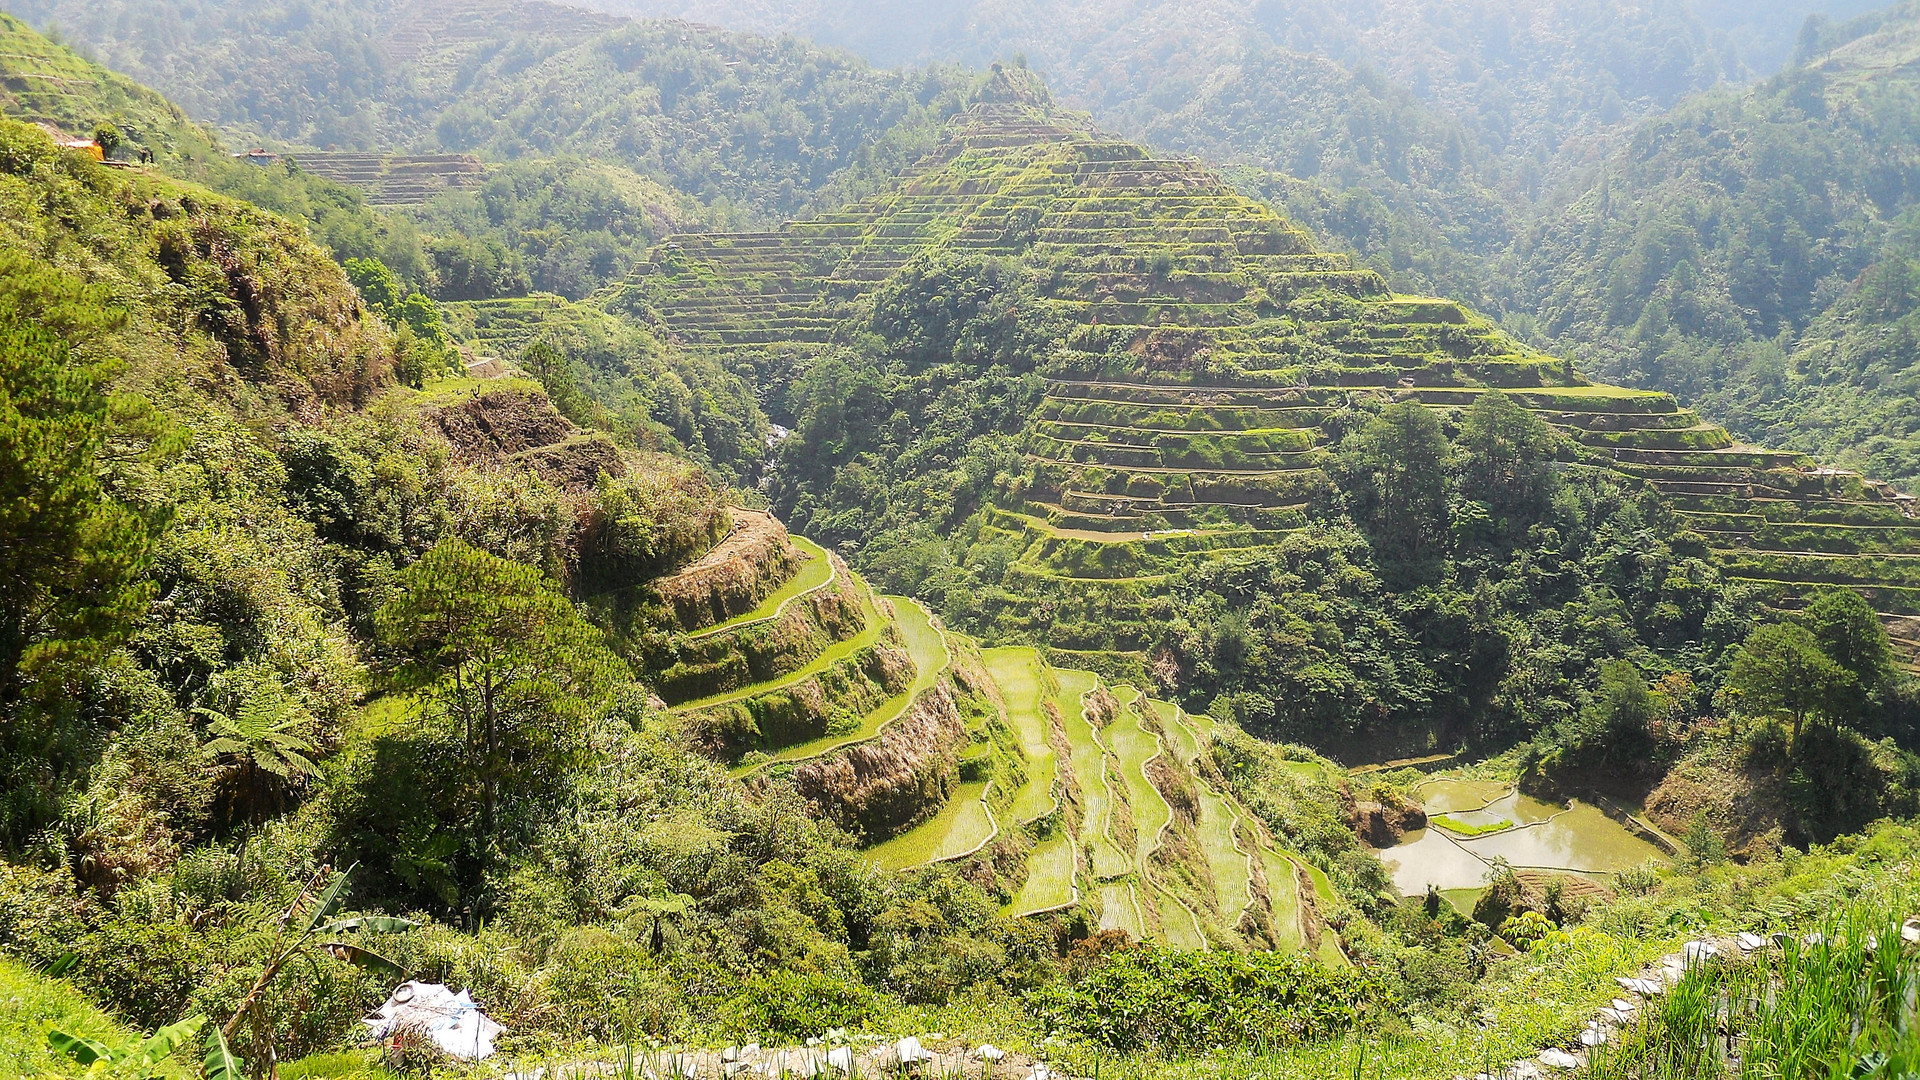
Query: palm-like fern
x=260, y=743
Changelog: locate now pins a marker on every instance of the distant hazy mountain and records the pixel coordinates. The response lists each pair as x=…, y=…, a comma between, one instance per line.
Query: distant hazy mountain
x=900, y=31
x=1758, y=252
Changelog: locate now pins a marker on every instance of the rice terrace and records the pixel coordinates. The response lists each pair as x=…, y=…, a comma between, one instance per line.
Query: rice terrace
x=1026, y=539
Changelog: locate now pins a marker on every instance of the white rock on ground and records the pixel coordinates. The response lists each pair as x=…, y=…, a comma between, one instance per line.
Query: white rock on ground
x=989, y=1052
x=1558, y=1059
x=1750, y=941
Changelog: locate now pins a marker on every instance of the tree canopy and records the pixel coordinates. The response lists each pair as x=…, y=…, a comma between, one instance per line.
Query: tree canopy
x=508, y=658
x=1781, y=671
x=1394, y=470
x=70, y=555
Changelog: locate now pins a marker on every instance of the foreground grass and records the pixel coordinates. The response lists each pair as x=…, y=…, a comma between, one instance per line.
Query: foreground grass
x=1836, y=1003
x=1834, y=1008
x=31, y=1003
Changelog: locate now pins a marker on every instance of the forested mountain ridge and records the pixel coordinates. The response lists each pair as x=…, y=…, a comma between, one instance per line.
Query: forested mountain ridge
x=1456, y=117
x=755, y=123
x=349, y=637
x=1450, y=131
x=1749, y=252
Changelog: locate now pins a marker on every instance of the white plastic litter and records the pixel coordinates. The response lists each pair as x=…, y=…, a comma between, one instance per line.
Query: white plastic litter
x=989, y=1052
x=1558, y=1059
x=840, y=1059
x=1750, y=941
x=910, y=1052
x=454, y=1023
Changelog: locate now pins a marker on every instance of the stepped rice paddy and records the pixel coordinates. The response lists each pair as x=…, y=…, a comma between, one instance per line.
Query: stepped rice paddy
x=931, y=658
x=1183, y=423
x=816, y=572
x=872, y=628
x=1018, y=673
x=963, y=826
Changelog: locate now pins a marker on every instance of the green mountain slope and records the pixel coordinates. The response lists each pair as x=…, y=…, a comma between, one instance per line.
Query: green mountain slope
x=1139, y=410
x=48, y=83
x=1455, y=117
x=1750, y=253
x=755, y=123
x=1451, y=117
x=278, y=629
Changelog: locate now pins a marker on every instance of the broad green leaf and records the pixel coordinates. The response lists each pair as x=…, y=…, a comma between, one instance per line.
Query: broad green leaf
x=81, y=1049
x=328, y=900
x=364, y=958
x=161, y=1044
x=222, y=1063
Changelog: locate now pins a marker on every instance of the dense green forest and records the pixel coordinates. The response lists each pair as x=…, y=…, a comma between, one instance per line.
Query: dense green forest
x=752, y=123
x=1750, y=252
x=1198, y=646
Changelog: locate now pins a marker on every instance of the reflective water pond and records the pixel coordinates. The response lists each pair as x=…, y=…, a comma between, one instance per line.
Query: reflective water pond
x=1577, y=837
x=1445, y=795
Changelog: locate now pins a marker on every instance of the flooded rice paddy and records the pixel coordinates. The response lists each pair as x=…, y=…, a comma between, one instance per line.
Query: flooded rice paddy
x=1526, y=832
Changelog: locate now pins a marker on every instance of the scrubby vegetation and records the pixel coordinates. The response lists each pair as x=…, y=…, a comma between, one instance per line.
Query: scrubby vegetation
x=362, y=623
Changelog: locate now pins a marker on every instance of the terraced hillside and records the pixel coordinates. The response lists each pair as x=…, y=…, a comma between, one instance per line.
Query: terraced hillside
x=418, y=31
x=782, y=662
x=1106, y=801
x=399, y=180
x=1083, y=795
x=1185, y=416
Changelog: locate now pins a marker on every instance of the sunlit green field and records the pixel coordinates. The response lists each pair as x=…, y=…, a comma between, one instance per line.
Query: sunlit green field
x=1049, y=885
x=1018, y=672
x=1090, y=771
x=961, y=827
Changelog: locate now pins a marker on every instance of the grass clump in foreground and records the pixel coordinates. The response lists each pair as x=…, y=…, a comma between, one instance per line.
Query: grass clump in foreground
x=1839, y=1002
x=30, y=1004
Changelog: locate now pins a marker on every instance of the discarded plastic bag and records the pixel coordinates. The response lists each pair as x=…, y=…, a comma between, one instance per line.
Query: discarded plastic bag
x=454, y=1023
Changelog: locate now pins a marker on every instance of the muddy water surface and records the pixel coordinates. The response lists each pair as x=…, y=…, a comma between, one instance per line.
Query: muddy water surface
x=1578, y=837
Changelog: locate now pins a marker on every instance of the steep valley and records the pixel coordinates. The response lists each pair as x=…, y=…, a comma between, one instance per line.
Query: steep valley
x=1038, y=593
